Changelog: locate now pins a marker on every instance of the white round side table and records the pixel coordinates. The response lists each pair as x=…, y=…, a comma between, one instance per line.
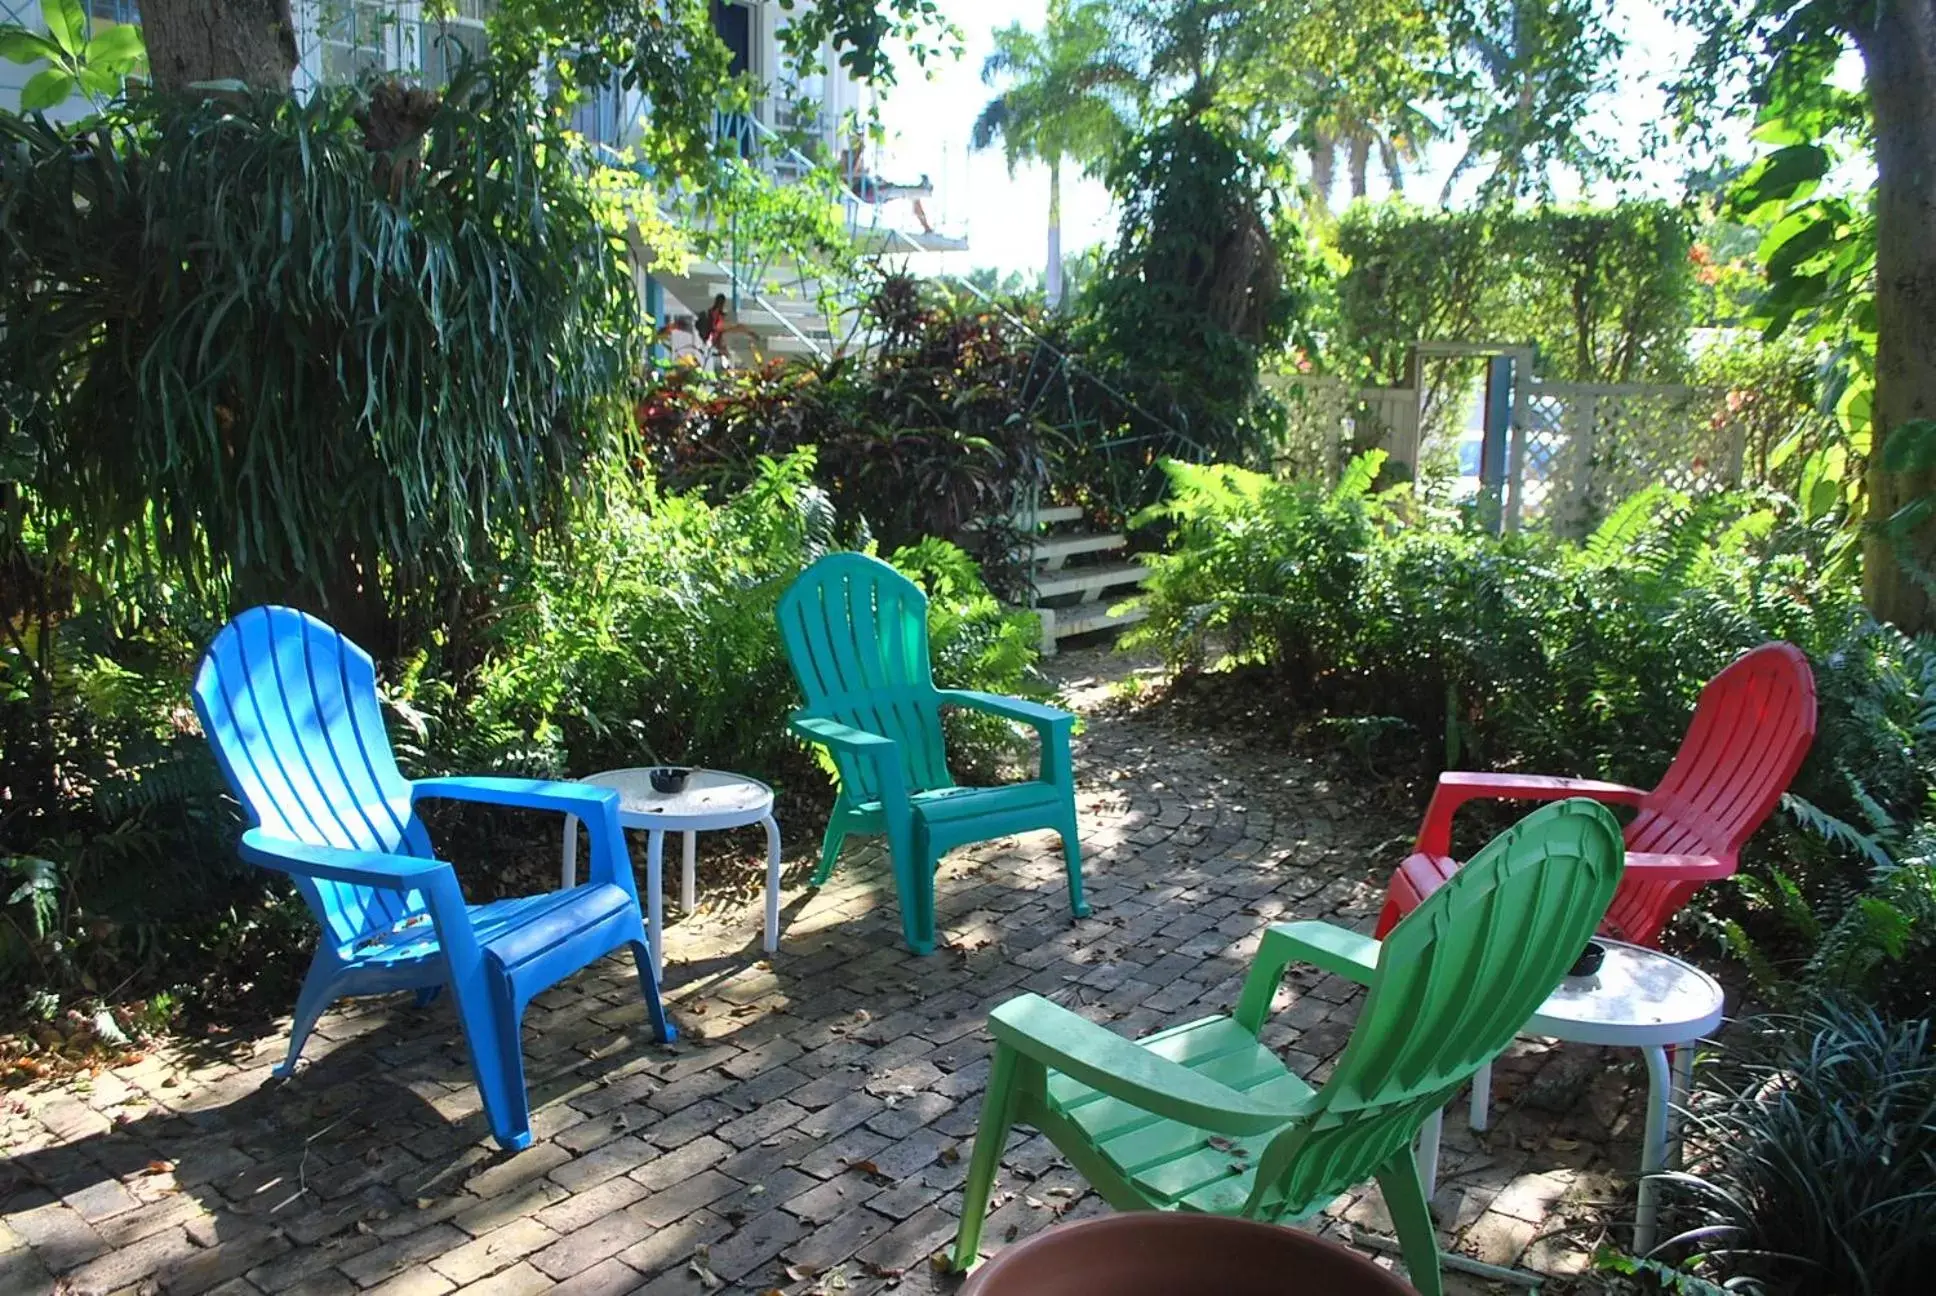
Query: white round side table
x=1640, y=998
x=710, y=800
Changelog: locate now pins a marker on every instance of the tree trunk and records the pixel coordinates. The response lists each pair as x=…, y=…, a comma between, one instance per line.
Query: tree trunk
x=1360, y=163
x=1324, y=167
x=252, y=41
x=1899, y=55
x=1052, y=278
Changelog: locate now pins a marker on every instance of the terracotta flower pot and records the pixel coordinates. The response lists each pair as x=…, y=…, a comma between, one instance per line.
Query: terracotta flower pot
x=1169, y=1253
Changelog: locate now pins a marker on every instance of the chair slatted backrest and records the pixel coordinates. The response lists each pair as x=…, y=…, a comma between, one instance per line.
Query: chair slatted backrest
x=856, y=634
x=1751, y=730
x=1456, y=980
x=291, y=709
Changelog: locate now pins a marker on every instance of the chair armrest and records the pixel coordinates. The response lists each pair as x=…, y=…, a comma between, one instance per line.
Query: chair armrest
x=581, y=799
x=1456, y=787
x=596, y=807
x=832, y=733
x=1077, y=1047
x=1030, y=713
x=1644, y=866
x=1337, y=950
x=339, y=864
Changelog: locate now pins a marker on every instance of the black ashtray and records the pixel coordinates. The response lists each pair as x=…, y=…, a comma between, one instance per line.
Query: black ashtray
x=672, y=778
x=1589, y=961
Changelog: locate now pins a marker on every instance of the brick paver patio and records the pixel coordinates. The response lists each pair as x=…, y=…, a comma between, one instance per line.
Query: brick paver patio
x=809, y=1132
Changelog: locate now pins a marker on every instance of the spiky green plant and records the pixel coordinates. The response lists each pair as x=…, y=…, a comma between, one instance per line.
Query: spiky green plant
x=326, y=350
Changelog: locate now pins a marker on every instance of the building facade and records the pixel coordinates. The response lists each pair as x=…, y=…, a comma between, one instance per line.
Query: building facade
x=340, y=40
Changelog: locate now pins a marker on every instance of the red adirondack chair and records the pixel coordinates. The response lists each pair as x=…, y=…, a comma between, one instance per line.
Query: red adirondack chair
x=1751, y=728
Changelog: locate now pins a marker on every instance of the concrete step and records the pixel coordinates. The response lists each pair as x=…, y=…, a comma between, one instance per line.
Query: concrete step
x=1054, y=515
x=1063, y=623
x=1057, y=514
x=1090, y=581
x=1053, y=551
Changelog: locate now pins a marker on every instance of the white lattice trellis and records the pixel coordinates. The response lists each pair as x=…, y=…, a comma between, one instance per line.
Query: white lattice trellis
x=1328, y=421
x=1584, y=447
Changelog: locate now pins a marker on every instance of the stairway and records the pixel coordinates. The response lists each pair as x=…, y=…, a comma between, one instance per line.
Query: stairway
x=1079, y=576
x=784, y=323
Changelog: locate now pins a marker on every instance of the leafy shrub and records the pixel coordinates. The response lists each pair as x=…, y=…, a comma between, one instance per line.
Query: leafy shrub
x=954, y=420
x=1209, y=273
x=1522, y=651
x=1818, y=1156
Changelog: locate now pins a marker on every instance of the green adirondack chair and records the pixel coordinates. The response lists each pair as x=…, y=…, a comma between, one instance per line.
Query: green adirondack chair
x=856, y=633
x=1204, y=1117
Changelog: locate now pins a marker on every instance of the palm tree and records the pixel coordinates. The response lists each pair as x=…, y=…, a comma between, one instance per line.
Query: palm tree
x=1069, y=96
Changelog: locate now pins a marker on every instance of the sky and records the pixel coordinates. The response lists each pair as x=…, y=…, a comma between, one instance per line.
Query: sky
x=1006, y=220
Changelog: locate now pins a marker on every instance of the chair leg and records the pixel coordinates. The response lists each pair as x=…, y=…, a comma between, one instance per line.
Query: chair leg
x=427, y=995
x=662, y=1027
x=1072, y=857
x=1412, y=1219
x=997, y=1115
x=911, y=860
x=318, y=992
x=500, y=1070
x=830, y=843
x=917, y=896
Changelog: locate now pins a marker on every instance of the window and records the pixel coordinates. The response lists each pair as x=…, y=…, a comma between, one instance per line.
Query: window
x=449, y=41
x=358, y=37
x=113, y=11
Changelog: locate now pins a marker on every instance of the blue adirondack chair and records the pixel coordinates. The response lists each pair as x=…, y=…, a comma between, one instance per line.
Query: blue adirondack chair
x=290, y=707
x=856, y=634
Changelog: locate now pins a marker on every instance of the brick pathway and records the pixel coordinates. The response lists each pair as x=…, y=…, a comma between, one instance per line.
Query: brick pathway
x=809, y=1132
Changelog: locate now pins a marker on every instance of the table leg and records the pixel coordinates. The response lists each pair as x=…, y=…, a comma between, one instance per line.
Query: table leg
x=568, y=875
x=1428, y=1152
x=655, y=902
x=772, y=884
x=1683, y=1069
x=1481, y=1098
x=688, y=879
x=1653, y=1147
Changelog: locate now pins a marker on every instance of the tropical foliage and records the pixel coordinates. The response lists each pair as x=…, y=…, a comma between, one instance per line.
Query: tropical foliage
x=332, y=391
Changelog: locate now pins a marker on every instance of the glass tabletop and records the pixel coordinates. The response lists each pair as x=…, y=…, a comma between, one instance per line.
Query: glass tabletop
x=707, y=794
x=1635, y=989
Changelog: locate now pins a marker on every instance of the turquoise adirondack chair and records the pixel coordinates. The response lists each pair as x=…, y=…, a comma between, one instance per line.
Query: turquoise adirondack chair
x=1204, y=1117
x=290, y=707
x=856, y=633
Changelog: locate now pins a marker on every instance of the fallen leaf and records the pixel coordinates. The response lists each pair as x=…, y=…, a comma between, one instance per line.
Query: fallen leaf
x=159, y=1167
x=950, y=1154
